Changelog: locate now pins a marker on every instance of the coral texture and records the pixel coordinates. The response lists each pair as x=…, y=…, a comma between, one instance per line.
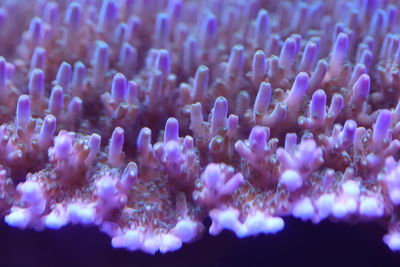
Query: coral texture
x=144, y=117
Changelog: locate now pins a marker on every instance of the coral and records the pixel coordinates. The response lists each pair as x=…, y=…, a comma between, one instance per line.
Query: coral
x=145, y=117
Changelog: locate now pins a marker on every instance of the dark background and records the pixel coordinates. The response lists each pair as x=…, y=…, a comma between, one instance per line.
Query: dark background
x=299, y=244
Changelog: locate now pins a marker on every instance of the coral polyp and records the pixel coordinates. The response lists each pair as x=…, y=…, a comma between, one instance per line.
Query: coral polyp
x=145, y=117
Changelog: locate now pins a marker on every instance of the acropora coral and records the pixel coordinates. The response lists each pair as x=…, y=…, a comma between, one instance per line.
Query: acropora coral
x=144, y=117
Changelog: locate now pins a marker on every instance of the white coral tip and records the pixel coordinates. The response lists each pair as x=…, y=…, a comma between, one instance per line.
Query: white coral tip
x=292, y=180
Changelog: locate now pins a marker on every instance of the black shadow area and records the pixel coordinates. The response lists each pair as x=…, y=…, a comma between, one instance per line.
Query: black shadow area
x=299, y=244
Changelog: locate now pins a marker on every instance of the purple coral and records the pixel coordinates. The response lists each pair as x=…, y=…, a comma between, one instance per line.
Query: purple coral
x=145, y=117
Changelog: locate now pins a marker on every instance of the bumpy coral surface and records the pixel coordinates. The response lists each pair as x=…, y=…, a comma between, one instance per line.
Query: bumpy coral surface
x=145, y=117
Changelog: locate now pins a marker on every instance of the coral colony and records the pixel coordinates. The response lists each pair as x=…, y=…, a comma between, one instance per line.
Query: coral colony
x=144, y=117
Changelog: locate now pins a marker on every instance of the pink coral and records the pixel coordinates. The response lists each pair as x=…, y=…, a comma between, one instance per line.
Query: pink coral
x=145, y=117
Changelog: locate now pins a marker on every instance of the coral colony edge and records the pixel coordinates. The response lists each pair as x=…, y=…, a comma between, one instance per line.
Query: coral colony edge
x=144, y=117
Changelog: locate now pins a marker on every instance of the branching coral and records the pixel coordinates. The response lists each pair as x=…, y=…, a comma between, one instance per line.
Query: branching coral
x=145, y=117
